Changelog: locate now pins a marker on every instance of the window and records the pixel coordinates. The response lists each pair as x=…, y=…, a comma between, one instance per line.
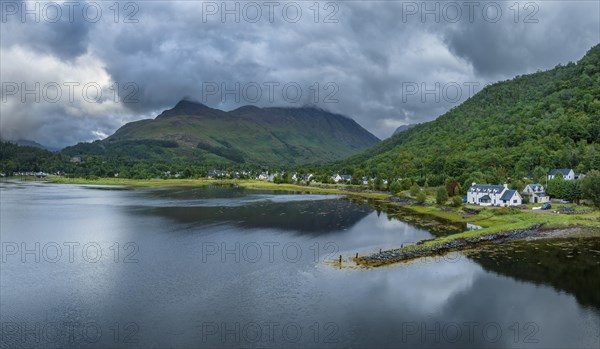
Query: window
x=514, y=201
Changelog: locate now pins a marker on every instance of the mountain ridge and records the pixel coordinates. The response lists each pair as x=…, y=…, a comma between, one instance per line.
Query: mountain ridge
x=248, y=134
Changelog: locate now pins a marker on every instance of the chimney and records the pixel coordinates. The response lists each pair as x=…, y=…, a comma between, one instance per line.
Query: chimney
x=473, y=184
x=505, y=185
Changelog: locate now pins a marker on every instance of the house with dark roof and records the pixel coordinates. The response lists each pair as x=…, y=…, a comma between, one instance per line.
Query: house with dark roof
x=536, y=194
x=307, y=177
x=511, y=198
x=365, y=180
x=493, y=195
x=217, y=174
x=336, y=178
x=567, y=173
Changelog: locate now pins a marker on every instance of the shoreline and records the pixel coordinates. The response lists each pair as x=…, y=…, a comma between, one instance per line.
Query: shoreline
x=497, y=223
x=433, y=247
x=243, y=183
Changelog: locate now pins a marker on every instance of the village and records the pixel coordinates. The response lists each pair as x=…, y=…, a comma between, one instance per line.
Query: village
x=478, y=194
x=499, y=195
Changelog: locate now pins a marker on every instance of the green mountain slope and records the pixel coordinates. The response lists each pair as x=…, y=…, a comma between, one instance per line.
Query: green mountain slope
x=251, y=135
x=542, y=120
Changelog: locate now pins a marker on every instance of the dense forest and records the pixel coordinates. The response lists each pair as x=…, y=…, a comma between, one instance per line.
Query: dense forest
x=139, y=159
x=510, y=129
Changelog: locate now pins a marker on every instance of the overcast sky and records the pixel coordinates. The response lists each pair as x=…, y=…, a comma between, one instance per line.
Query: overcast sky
x=382, y=63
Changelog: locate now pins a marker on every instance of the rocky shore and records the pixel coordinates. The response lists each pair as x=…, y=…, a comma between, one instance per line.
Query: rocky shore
x=421, y=249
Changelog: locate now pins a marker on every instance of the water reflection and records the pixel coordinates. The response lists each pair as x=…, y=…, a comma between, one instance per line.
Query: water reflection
x=571, y=266
x=310, y=217
x=176, y=289
x=433, y=224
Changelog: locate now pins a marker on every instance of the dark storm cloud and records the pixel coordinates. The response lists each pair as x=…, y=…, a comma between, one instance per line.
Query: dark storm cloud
x=375, y=53
x=539, y=36
x=45, y=28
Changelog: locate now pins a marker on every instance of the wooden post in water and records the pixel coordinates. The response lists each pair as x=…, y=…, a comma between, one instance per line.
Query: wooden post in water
x=340, y=260
x=356, y=255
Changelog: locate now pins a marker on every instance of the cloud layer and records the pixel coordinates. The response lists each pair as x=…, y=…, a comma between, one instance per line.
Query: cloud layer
x=383, y=63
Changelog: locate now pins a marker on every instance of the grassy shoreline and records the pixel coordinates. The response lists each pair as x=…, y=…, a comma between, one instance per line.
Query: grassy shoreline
x=494, y=220
x=244, y=183
x=471, y=242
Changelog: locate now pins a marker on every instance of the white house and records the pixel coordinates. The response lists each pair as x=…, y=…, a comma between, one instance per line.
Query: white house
x=217, y=174
x=263, y=176
x=336, y=178
x=568, y=174
x=493, y=195
x=511, y=198
x=536, y=194
x=307, y=177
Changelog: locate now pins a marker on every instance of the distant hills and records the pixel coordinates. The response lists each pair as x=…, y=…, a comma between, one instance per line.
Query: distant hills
x=510, y=129
x=507, y=131
x=28, y=143
x=260, y=136
x=403, y=128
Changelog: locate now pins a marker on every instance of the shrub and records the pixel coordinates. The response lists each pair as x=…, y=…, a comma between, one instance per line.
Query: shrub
x=441, y=195
x=414, y=189
x=456, y=201
x=421, y=197
x=395, y=187
x=406, y=183
x=590, y=187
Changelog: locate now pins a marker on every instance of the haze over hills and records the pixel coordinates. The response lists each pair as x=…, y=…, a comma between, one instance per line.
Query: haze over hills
x=29, y=143
x=260, y=136
x=403, y=128
x=544, y=120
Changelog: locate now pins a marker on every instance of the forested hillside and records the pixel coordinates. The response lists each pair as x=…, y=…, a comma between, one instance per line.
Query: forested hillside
x=512, y=128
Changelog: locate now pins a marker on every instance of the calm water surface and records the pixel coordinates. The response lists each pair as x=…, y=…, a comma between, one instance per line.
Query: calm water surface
x=227, y=267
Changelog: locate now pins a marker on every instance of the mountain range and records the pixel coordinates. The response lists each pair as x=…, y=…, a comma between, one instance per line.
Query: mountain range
x=511, y=129
x=259, y=136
